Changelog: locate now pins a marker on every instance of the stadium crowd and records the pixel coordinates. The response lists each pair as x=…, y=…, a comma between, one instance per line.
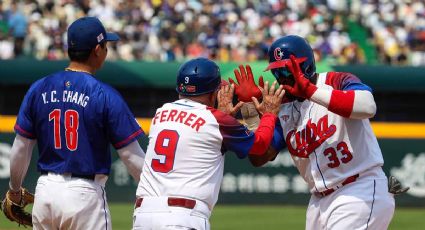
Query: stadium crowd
x=397, y=28
x=235, y=30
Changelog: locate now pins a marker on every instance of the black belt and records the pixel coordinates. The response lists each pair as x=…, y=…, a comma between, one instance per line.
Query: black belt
x=87, y=177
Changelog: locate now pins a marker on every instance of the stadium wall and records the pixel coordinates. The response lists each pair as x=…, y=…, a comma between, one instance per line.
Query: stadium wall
x=162, y=74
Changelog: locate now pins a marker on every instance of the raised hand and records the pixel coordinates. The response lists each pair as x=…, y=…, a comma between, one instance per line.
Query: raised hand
x=246, y=87
x=224, y=100
x=303, y=87
x=271, y=99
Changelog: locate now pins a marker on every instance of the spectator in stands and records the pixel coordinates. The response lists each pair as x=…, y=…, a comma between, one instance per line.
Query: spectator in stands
x=393, y=26
x=6, y=47
x=18, y=28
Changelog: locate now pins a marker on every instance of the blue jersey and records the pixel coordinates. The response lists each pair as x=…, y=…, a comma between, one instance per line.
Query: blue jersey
x=74, y=118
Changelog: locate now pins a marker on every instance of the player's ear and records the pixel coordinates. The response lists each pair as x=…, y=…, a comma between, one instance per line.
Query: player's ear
x=97, y=50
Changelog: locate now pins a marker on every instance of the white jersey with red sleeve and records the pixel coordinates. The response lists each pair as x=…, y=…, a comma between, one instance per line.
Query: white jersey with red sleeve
x=340, y=147
x=185, y=155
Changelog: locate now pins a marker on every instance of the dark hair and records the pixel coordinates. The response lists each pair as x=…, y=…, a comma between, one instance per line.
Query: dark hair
x=81, y=55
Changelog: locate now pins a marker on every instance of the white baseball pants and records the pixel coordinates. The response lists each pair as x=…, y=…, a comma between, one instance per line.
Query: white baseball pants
x=65, y=202
x=155, y=214
x=363, y=204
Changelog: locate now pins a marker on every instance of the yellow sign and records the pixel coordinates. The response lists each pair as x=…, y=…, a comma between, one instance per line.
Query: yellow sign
x=399, y=130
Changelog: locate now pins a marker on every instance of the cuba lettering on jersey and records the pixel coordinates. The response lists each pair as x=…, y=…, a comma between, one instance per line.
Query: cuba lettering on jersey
x=339, y=147
x=74, y=118
x=185, y=155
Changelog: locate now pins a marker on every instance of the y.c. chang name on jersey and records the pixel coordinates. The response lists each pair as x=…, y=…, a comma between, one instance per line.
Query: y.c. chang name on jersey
x=67, y=96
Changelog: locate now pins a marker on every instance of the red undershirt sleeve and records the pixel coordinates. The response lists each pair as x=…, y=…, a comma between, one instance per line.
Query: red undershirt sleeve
x=264, y=134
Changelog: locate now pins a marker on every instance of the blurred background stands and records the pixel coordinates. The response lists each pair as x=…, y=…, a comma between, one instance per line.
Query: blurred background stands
x=340, y=31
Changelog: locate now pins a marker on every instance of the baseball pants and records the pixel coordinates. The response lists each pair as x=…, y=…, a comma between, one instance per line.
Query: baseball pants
x=154, y=213
x=363, y=204
x=65, y=202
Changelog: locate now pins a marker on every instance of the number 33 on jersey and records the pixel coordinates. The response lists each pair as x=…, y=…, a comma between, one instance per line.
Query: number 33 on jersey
x=336, y=147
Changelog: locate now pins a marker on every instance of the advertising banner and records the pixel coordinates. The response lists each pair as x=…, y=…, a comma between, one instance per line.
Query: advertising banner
x=278, y=182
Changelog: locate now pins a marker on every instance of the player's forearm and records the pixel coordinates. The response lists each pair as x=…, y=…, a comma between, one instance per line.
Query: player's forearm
x=20, y=158
x=133, y=158
x=364, y=105
x=264, y=134
x=258, y=161
x=356, y=104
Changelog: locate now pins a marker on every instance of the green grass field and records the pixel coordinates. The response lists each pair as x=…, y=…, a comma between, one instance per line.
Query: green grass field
x=254, y=217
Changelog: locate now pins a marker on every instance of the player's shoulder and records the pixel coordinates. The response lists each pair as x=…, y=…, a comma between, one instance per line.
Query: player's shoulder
x=107, y=88
x=338, y=76
x=108, y=91
x=37, y=85
x=50, y=77
x=73, y=77
x=166, y=106
x=223, y=118
x=339, y=79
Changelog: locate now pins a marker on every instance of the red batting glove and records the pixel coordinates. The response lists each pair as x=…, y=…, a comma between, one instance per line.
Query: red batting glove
x=303, y=87
x=246, y=87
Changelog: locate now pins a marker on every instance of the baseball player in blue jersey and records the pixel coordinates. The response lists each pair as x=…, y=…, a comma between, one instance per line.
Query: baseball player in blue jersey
x=74, y=118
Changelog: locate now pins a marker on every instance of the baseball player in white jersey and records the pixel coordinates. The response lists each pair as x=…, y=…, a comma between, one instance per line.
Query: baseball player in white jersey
x=184, y=161
x=325, y=126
